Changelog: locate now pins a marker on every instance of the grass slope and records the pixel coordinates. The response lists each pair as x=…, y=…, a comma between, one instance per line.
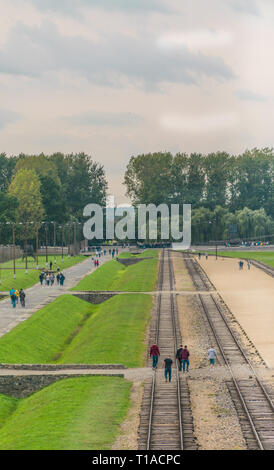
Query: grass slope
x=71, y=414
x=70, y=330
x=24, y=280
x=114, y=276
x=45, y=333
x=266, y=257
x=146, y=254
x=114, y=334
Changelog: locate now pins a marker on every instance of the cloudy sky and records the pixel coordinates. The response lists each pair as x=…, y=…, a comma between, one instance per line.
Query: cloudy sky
x=116, y=78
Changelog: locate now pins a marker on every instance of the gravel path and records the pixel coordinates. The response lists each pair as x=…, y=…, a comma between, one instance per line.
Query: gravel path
x=37, y=296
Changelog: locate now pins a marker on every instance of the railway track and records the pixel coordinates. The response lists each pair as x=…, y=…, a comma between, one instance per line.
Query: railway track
x=253, y=402
x=166, y=418
x=197, y=274
x=264, y=267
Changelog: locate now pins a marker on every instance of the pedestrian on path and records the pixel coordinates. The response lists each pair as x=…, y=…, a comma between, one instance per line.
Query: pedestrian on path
x=52, y=278
x=206, y=255
x=212, y=356
x=241, y=265
x=154, y=353
x=17, y=296
x=185, y=359
x=22, y=296
x=41, y=277
x=48, y=279
x=178, y=357
x=248, y=264
x=58, y=279
x=13, y=297
x=167, y=364
x=62, y=279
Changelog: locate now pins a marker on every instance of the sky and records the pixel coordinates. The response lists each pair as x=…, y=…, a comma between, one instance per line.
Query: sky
x=117, y=78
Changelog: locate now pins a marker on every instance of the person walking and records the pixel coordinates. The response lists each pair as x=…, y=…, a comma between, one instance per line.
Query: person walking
x=212, y=356
x=154, y=353
x=62, y=279
x=17, y=296
x=48, y=279
x=50, y=265
x=248, y=264
x=185, y=359
x=52, y=278
x=167, y=364
x=22, y=296
x=206, y=255
x=58, y=279
x=178, y=357
x=13, y=297
x=41, y=278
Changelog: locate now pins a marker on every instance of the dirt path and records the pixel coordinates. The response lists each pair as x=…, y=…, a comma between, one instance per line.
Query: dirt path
x=249, y=294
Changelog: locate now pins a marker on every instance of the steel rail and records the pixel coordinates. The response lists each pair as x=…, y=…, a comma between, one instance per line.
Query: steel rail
x=160, y=284
x=244, y=355
x=171, y=280
x=249, y=417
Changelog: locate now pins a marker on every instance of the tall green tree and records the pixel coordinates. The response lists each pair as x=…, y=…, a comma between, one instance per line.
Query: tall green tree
x=26, y=188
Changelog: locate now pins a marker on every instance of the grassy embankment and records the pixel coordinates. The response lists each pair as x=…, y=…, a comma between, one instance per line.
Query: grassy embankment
x=71, y=330
x=154, y=253
x=266, y=257
x=114, y=276
x=24, y=280
x=71, y=414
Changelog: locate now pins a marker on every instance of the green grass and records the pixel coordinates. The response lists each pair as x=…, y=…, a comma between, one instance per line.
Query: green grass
x=266, y=257
x=71, y=330
x=114, y=276
x=146, y=253
x=24, y=280
x=45, y=333
x=71, y=414
x=7, y=407
x=114, y=334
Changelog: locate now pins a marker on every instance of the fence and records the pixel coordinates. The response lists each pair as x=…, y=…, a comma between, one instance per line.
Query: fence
x=7, y=253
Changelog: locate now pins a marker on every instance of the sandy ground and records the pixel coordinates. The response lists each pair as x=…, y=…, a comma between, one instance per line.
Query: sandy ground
x=216, y=425
x=249, y=294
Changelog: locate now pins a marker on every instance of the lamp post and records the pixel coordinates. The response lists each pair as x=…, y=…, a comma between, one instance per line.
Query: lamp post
x=74, y=242
x=37, y=246
x=62, y=260
x=13, y=244
x=54, y=240
x=68, y=240
x=46, y=229
x=215, y=236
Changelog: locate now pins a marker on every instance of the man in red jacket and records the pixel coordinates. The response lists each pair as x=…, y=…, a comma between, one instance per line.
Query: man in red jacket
x=154, y=353
x=185, y=358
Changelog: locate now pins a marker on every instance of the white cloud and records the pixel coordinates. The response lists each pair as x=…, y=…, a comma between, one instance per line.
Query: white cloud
x=201, y=124
x=116, y=60
x=195, y=40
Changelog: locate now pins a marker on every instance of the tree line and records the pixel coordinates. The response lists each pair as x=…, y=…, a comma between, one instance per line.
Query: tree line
x=36, y=188
x=225, y=190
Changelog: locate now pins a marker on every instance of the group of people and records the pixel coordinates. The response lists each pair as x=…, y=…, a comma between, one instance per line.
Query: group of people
x=241, y=264
x=182, y=357
x=200, y=254
x=48, y=278
x=16, y=295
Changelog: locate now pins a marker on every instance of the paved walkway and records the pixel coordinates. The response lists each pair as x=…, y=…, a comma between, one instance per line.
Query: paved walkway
x=37, y=296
